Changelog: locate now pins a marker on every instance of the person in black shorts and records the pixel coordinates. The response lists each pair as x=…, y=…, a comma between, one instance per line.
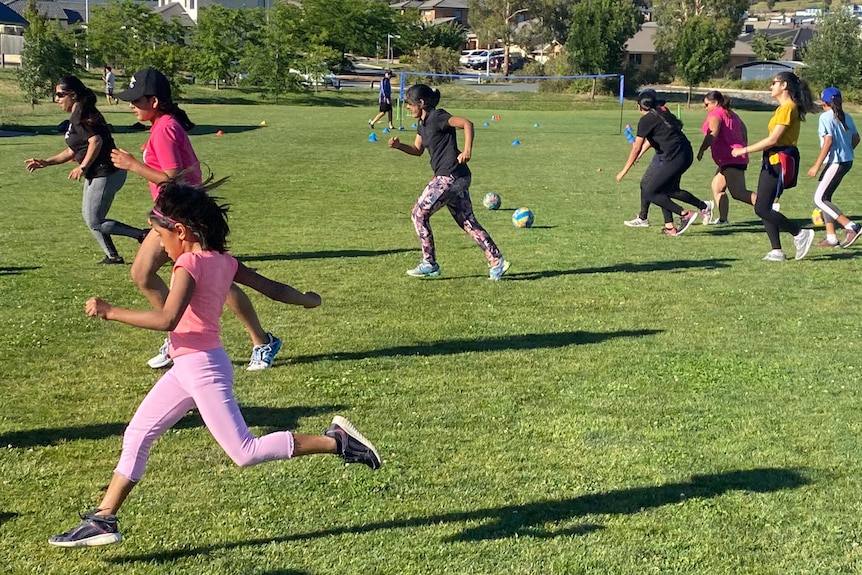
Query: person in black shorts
x=385, y=100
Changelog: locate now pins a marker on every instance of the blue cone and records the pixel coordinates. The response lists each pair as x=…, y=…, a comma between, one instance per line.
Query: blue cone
x=385, y=130
x=516, y=143
x=535, y=125
x=372, y=137
x=400, y=128
x=413, y=125
x=485, y=124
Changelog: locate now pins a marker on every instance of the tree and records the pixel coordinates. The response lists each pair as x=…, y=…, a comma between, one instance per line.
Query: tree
x=348, y=25
x=554, y=19
x=45, y=58
x=495, y=19
x=277, y=48
x=671, y=15
x=217, y=43
x=702, y=48
x=766, y=48
x=834, y=56
x=600, y=29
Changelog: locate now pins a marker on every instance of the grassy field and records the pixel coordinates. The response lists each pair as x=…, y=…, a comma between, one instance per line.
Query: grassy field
x=623, y=402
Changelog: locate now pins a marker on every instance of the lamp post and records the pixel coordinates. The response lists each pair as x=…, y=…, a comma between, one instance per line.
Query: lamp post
x=389, y=38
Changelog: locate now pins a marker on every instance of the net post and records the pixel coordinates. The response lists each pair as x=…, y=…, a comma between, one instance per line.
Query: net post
x=622, y=91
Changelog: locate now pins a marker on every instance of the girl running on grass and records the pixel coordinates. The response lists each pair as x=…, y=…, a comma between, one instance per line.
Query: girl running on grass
x=169, y=153
x=724, y=130
x=450, y=186
x=89, y=142
x=659, y=129
x=838, y=138
x=780, y=166
x=193, y=229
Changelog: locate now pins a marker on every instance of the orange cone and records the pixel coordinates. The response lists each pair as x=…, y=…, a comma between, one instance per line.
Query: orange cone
x=219, y=133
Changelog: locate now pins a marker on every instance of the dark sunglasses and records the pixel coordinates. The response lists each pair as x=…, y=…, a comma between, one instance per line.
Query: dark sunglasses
x=61, y=94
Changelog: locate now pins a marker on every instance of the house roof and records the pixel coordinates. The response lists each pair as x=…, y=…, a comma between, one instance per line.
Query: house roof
x=10, y=17
x=643, y=42
x=790, y=64
x=795, y=36
x=432, y=4
x=62, y=12
x=168, y=11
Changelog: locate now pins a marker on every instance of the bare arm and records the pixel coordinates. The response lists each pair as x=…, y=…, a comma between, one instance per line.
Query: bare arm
x=33, y=164
x=415, y=150
x=824, y=151
x=94, y=144
x=634, y=154
x=766, y=143
x=275, y=290
x=126, y=161
x=714, y=129
x=460, y=123
x=165, y=319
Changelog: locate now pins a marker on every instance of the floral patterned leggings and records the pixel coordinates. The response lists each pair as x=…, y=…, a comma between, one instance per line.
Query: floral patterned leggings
x=454, y=193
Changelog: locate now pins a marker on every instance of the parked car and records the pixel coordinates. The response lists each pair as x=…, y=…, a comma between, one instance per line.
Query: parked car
x=328, y=79
x=480, y=61
x=516, y=62
x=465, y=56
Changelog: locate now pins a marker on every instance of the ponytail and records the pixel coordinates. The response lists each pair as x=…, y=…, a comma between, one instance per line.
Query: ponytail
x=178, y=113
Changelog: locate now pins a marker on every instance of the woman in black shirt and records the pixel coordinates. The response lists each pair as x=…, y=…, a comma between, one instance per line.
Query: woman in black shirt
x=89, y=142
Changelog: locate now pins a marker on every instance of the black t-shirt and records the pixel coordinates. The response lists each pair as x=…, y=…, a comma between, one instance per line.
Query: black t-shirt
x=77, y=137
x=666, y=139
x=442, y=144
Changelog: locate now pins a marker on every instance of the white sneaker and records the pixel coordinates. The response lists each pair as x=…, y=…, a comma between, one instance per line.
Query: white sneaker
x=706, y=213
x=803, y=243
x=775, y=256
x=638, y=222
x=161, y=359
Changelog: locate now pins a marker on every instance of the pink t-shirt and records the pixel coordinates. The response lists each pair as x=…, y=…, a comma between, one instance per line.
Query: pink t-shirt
x=169, y=148
x=198, y=328
x=730, y=135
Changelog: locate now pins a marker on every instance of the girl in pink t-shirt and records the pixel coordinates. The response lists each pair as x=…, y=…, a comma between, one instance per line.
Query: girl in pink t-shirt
x=193, y=228
x=168, y=153
x=723, y=131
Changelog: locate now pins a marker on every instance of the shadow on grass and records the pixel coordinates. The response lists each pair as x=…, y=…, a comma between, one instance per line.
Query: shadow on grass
x=629, y=268
x=535, y=519
x=323, y=255
x=208, y=130
x=456, y=346
x=4, y=517
x=17, y=270
x=269, y=418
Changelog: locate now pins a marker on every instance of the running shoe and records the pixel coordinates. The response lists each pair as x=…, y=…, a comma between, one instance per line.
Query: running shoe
x=262, y=356
x=638, y=222
x=116, y=260
x=706, y=213
x=93, y=530
x=498, y=270
x=352, y=446
x=775, y=256
x=824, y=243
x=686, y=221
x=670, y=231
x=425, y=270
x=803, y=243
x=851, y=236
x=161, y=359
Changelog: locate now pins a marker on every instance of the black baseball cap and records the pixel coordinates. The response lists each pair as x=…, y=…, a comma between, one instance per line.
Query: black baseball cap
x=146, y=82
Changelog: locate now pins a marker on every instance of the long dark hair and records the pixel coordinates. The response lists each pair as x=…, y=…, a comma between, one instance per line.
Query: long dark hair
x=649, y=101
x=718, y=98
x=91, y=117
x=429, y=95
x=799, y=92
x=837, y=105
x=192, y=206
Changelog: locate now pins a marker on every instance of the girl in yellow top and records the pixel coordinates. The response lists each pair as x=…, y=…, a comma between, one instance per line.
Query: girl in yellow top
x=781, y=162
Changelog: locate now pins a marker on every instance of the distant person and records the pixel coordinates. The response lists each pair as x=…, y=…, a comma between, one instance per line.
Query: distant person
x=450, y=186
x=838, y=140
x=384, y=98
x=89, y=142
x=109, y=86
x=780, y=166
x=168, y=153
x=193, y=228
x=659, y=129
x=724, y=130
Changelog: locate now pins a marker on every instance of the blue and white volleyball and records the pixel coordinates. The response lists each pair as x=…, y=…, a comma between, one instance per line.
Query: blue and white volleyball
x=523, y=218
x=491, y=201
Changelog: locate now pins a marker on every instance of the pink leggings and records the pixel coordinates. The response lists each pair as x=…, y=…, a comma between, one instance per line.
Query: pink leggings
x=203, y=379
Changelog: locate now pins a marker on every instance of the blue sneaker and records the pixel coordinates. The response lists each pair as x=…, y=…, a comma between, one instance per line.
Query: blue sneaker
x=263, y=355
x=93, y=530
x=498, y=270
x=425, y=270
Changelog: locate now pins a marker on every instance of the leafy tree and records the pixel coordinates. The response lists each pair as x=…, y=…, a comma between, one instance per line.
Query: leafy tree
x=277, y=48
x=701, y=49
x=600, y=29
x=766, y=48
x=834, y=55
x=450, y=35
x=348, y=25
x=495, y=19
x=45, y=58
x=671, y=15
x=218, y=42
x=554, y=19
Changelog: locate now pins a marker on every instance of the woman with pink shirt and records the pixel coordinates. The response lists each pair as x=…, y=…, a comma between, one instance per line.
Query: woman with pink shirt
x=724, y=130
x=168, y=153
x=193, y=229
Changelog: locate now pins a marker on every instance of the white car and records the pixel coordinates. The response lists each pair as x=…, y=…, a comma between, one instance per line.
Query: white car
x=328, y=79
x=480, y=60
x=465, y=56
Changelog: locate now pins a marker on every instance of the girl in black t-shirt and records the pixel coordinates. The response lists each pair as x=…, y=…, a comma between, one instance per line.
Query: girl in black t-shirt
x=89, y=142
x=659, y=129
x=450, y=186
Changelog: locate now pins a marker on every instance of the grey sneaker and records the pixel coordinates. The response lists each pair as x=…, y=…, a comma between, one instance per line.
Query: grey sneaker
x=498, y=270
x=803, y=243
x=353, y=447
x=262, y=356
x=637, y=222
x=425, y=270
x=706, y=213
x=161, y=359
x=775, y=256
x=686, y=221
x=93, y=530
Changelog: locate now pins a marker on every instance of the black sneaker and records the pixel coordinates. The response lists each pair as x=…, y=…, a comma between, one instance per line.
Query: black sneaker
x=112, y=260
x=352, y=445
x=93, y=530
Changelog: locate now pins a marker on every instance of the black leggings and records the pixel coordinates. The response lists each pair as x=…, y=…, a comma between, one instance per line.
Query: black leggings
x=767, y=191
x=661, y=182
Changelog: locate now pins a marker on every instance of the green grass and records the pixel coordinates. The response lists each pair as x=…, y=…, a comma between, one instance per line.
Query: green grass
x=623, y=403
